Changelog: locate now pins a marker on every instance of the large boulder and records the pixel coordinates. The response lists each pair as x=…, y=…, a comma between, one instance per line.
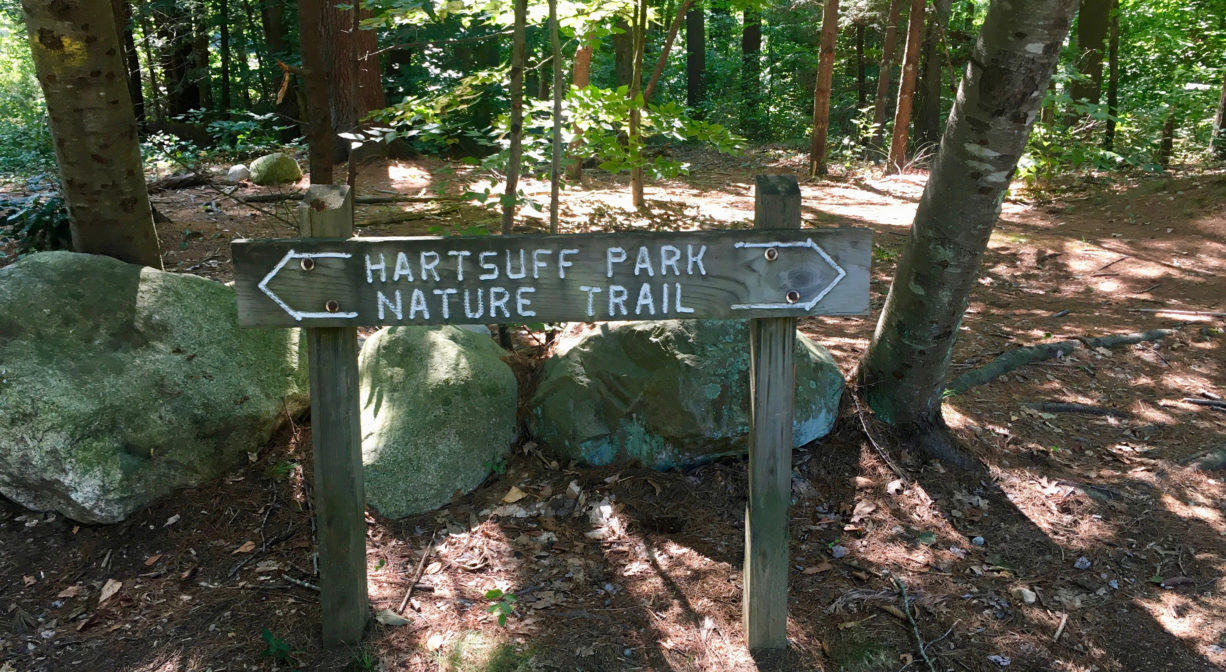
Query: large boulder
x=438, y=415
x=668, y=394
x=275, y=169
x=120, y=384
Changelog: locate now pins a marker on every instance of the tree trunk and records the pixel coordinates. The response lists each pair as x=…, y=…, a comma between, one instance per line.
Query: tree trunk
x=665, y=50
x=146, y=28
x=174, y=31
x=821, y=92
x=580, y=78
x=639, y=34
x=555, y=165
x=198, y=67
x=341, y=67
x=623, y=53
x=888, y=47
x=122, y=12
x=928, y=107
x=315, y=79
x=272, y=19
x=861, y=83
x=517, y=116
x=695, y=60
x=751, y=73
x=903, y=372
x=223, y=7
x=1093, y=20
x=906, y=89
x=1167, y=144
x=77, y=60
x=1219, y=126
x=1113, y=77
x=244, y=72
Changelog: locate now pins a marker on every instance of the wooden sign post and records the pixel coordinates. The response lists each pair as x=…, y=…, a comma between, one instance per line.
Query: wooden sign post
x=329, y=283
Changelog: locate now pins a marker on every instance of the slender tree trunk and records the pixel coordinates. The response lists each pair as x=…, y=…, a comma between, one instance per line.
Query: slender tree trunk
x=1093, y=20
x=272, y=18
x=315, y=78
x=903, y=372
x=146, y=29
x=517, y=116
x=371, y=95
x=928, y=107
x=695, y=60
x=1167, y=145
x=555, y=166
x=906, y=88
x=175, y=34
x=580, y=78
x=623, y=53
x=131, y=60
x=639, y=29
x=751, y=73
x=821, y=92
x=198, y=68
x=77, y=60
x=223, y=7
x=245, y=42
x=1219, y=126
x=861, y=83
x=665, y=50
x=1113, y=77
x=341, y=66
x=888, y=46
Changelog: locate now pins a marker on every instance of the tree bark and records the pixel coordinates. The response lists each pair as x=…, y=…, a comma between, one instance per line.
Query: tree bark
x=1219, y=126
x=580, y=78
x=639, y=30
x=272, y=19
x=928, y=107
x=315, y=74
x=665, y=50
x=223, y=7
x=131, y=60
x=198, y=66
x=623, y=53
x=889, y=46
x=695, y=60
x=906, y=89
x=1093, y=20
x=861, y=83
x=821, y=92
x=903, y=371
x=555, y=165
x=340, y=65
x=146, y=28
x=1113, y=77
x=751, y=73
x=517, y=116
x=77, y=60
x=1167, y=145
x=174, y=30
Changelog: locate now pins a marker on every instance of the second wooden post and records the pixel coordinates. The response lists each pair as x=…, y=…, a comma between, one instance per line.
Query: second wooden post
x=327, y=212
x=772, y=380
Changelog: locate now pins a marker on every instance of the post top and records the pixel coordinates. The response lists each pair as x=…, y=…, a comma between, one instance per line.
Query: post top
x=776, y=185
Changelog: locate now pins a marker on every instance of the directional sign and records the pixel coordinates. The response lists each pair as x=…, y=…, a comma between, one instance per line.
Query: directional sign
x=586, y=277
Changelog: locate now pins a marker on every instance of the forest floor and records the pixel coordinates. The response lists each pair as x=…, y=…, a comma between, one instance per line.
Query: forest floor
x=1090, y=542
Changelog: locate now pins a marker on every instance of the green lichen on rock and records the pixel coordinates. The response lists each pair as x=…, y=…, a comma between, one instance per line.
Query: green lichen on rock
x=667, y=394
x=121, y=384
x=275, y=169
x=438, y=414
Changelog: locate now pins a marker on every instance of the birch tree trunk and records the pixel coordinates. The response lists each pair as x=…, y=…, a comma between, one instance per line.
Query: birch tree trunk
x=903, y=372
x=77, y=61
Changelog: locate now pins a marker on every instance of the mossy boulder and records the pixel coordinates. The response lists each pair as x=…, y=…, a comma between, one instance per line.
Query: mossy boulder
x=120, y=384
x=438, y=415
x=667, y=394
x=275, y=169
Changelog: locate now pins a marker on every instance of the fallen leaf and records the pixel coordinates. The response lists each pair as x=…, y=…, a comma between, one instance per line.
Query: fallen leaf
x=434, y=568
x=171, y=520
x=29, y=580
x=435, y=641
x=389, y=617
x=247, y=547
x=863, y=508
x=513, y=495
x=818, y=569
x=152, y=560
x=895, y=487
x=108, y=590
x=69, y=592
x=893, y=611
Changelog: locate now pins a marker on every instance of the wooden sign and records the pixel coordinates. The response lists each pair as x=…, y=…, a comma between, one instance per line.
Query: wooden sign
x=586, y=277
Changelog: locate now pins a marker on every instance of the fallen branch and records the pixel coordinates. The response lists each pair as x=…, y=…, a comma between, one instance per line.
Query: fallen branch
x=906, y=607
x=1212, y=403
x=421, y=566
x=179, y=181
x=359, y=200
x=1019, y=357
x=1063, y=407
x=1177, y=311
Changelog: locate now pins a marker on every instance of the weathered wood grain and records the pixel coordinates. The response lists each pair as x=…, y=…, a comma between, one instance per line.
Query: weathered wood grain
x=588, y=277
x=772, y=375
x=336, y=437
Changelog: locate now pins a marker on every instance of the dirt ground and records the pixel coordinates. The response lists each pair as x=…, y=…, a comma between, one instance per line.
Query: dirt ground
x=1091, y=542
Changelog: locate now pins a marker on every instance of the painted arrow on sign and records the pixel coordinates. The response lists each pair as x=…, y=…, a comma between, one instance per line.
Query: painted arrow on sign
x=530, y=279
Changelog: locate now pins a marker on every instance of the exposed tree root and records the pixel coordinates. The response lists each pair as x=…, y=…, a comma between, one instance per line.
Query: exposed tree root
x=929, y=437
x=1036, y=353
x=1062, y=407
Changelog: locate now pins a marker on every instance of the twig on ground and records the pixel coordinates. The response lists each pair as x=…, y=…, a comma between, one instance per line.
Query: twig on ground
x=1060, y=629
x=421, y=566
x=1062, y=407
x=906, y=607
x=300, y=583
x=881, y=451
x=1104, y=267
x=1211, y=403
x=1179, y=311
